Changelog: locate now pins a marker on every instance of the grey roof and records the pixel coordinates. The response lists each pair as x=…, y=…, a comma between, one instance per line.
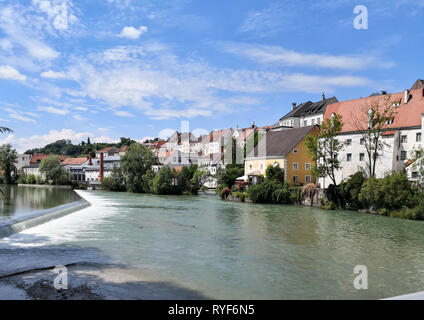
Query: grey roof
x=310, y=108
x=279, y=143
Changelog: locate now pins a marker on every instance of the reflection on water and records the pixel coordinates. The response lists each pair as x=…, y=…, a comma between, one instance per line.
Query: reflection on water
x=24, y=199
x=229, y=250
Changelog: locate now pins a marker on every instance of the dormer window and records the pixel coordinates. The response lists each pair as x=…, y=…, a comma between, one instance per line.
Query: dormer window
x=390, y=121
x=396, y=104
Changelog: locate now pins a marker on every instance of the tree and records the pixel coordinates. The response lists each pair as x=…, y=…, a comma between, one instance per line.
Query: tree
x=275, y=173
x=52, y=170
x=165, y=182
x=372, y=120
x=8, y=157
x=199, y=179
x=325, y=148
x=115, y=182
x=134, y=164
x=5, y=130
x=229, y=175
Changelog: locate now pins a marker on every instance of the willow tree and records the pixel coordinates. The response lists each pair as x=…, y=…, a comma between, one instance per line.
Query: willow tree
x=372, y=120
x=324, y=148
x=5, y=130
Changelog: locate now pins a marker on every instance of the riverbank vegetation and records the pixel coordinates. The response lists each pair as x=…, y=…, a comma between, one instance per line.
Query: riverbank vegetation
x=136, y=175
x=394, y=195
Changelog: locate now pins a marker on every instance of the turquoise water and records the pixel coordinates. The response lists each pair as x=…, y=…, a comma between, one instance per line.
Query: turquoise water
x=229, y=250
x=16, y=202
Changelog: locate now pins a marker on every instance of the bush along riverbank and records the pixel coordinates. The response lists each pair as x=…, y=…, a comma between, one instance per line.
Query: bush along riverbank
x=393, y=195
x=272, y=190
x=136, y=175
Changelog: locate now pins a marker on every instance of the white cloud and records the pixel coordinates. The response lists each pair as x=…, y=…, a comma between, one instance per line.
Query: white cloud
x=59, y=12
x=20, y=32
x=186, y=88
x=124, y=114
x=132, y=33
x=49, y=74
x=8, y=72
x=38, y=141
x=277, y=55
x=54, y=110
x=20, y=117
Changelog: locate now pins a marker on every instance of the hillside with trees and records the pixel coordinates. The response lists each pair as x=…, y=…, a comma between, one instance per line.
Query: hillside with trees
x=69, y=149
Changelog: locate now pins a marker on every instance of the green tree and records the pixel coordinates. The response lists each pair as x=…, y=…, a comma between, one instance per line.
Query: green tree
x=31, y=179
x=372, y=120
x=136, y=162
x=228, y=176
x=275, y=173
x=8, y=157
x=115, y=182
x=325, y=148
x=198, y=180
x=165, y=182
x=148, y=181
x=5, y=130
x=53, y=172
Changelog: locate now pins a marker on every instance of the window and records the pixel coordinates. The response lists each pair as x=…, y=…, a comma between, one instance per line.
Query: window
x=418, y=137
x=295, y=179
x=262, y=166
x=415, y=175
x=348, y=142
x=295, y=166
x=250, y=166
x=403, y=139
x=390, y=121
x=305, y=123
x=403, y=155
x=308, y=166
x=295, y=150
x=318, y=121
x=313, y=121
x=361, y=156
x=362, y=141
x=349, y=157
x=307, y=179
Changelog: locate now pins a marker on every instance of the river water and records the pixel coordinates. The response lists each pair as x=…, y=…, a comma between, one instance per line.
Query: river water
x=228, y=250
x=23, y=200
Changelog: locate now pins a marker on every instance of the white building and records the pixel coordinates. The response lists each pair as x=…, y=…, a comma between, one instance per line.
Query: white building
x=307, y=114
x=402, y=136
x=23, y=160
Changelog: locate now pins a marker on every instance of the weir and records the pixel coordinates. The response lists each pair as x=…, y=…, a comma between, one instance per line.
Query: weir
x=39, y=217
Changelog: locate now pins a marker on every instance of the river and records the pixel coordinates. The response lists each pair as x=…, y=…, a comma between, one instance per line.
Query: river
x=229, y=250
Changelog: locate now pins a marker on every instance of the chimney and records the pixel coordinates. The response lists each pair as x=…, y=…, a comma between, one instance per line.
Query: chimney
x=253, y=124
x=323, y=96
x=294, y=104
x=101, y=167
x=90, y=162
x=406, y=96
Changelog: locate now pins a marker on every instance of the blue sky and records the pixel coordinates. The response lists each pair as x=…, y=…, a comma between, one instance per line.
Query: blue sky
x=111, y=68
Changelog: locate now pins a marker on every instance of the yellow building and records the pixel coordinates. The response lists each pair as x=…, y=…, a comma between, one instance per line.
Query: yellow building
x=284, y=148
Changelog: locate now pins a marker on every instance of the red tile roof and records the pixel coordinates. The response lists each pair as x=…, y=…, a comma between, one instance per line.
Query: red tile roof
x=74, y=161
x=123, y=149
x=36, y=158
x=407, y=115
x=389, y=133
